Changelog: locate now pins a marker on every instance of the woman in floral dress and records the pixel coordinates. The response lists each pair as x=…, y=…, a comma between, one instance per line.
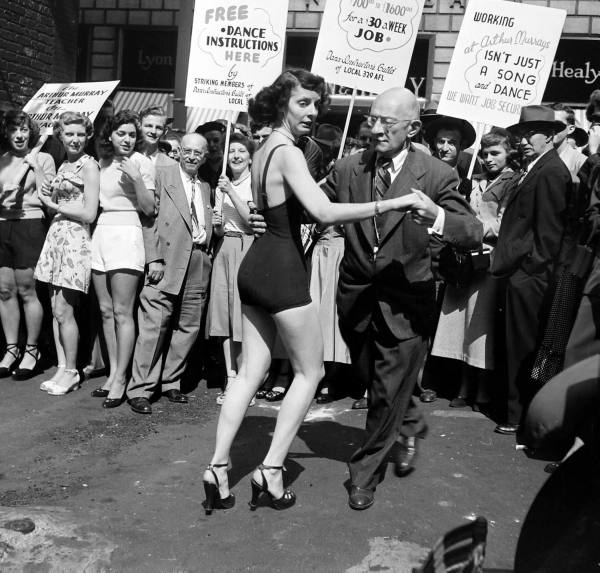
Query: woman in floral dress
x=65, y=261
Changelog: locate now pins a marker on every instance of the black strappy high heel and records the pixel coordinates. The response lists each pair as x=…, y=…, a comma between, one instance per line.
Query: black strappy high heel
x=213, y=496
x=13, y=350
x=27, y=373
x=286, y=500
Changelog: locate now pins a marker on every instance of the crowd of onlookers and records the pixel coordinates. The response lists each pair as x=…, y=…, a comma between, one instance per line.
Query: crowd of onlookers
x=130, y=233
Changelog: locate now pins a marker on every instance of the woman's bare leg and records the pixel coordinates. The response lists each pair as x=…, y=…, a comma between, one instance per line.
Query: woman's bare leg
x=60, y=353
x=63, y=307
x=259, y=333
x=123, y=286
x=105, y=303
x=32, y=309
x=300, y=333
x=9, y=312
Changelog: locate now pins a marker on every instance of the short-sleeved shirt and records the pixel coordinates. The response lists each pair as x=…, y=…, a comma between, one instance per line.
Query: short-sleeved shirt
x=232, y=220
x=22, y=202
x=118, y=199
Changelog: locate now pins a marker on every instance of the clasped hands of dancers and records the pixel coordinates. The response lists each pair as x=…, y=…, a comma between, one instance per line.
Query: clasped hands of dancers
x=273, y=281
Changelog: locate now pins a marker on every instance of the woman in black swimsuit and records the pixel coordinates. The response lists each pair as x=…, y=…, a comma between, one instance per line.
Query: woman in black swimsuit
x=274, y=285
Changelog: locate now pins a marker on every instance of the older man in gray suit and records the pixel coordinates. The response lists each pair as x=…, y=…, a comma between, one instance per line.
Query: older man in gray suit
x=174, y=295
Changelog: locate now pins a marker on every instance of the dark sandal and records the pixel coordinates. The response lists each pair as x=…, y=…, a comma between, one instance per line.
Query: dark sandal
x=27, y=373
x=275, y=395
x=213, y=496
x=286, y=500
x=13, y=350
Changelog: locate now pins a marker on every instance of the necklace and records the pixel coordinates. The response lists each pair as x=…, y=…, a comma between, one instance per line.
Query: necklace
x=239, y=181
x=286, y=135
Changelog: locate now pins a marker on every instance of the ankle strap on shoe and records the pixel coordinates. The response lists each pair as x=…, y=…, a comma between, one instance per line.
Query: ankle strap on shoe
x=13, y=349
x=32, y=350
x=264, y=467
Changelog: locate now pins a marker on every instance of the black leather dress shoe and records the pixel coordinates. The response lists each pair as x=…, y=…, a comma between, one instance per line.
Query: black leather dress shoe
x=361, y=498
x=506, y=429
x=406, y=455
x=176, y=396
x=360, y=404
x=140, y=405
x=324, y=398
x=113, y=402
x=428, y=396
x=99, y=393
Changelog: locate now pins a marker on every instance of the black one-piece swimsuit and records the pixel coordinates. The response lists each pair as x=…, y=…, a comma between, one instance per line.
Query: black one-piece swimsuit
x=273, y=273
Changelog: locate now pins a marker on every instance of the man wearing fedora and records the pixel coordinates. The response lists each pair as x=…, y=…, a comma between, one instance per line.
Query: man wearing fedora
x=448, y=137
x=529, y=243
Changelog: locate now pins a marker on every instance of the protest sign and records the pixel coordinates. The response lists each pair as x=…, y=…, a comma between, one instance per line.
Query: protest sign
x=51, y=100
x=501, y=61
x=236, y=49
x=367, y=44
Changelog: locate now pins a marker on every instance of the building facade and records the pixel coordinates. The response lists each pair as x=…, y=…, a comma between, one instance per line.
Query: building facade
x=38, y=44
x=136, y=41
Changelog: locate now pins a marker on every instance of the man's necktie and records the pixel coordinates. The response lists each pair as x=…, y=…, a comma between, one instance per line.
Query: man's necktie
x=381, y=184
x=382, y=178
x=195, y=224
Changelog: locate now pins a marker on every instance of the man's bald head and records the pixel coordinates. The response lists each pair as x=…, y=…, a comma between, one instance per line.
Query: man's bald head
x=403, y=100
x=193, y=152
x=396, y=116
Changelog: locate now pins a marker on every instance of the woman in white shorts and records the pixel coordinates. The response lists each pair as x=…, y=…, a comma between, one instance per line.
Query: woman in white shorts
x=126, y=190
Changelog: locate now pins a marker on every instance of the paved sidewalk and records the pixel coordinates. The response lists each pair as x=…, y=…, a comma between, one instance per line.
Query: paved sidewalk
x=110, y=490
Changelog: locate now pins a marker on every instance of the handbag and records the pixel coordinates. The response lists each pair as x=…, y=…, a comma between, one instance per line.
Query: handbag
x=458, y=267
x=550, y=356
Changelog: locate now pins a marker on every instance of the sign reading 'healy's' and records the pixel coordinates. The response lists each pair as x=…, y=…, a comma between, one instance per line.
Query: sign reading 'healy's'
x=501, y=62
x=367, y=44
x=53, y=99
x=236, y=49
x=575, y=71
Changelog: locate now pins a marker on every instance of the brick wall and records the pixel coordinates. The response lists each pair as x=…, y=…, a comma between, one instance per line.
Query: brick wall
x=38, y=44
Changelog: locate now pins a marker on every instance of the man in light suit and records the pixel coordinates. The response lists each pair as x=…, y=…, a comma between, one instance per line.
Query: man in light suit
x=174, y=296
x=531, y=237
x=386, y=290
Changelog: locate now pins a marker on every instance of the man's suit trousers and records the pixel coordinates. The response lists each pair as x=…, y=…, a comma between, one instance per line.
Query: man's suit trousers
x=168, y=327
x=389, y=368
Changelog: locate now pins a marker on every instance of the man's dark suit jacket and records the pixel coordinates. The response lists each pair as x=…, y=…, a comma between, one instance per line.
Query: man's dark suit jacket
x=533, y=225
x=399, y=279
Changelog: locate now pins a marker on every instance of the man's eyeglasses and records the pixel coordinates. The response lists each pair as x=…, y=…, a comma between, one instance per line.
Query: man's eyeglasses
x=192, y=153
x=386, y=122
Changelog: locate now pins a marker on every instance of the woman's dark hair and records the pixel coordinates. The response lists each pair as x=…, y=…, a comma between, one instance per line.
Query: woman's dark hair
x=270, y=102
x=242, y=139
x=503, y=137
x=120, y=118
x=16, y=118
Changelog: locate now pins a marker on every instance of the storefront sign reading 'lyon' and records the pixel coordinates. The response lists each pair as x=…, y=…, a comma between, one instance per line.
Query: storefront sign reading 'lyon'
x=367, y=44
x=236, y=49
x=501, y=62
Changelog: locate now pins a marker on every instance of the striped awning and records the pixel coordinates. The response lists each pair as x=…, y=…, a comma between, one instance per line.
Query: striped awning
x=140, y=100
x=136, y=100
x=196, y=116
